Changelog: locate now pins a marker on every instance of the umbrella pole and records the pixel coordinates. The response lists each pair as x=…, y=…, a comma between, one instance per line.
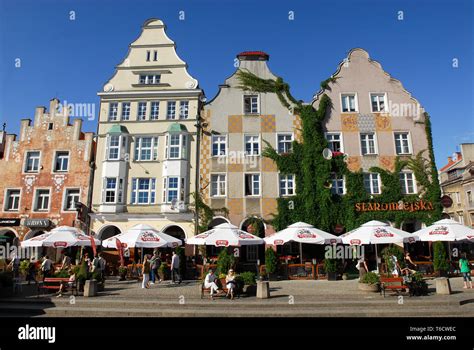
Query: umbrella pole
x=377, y=258
x=301, y=253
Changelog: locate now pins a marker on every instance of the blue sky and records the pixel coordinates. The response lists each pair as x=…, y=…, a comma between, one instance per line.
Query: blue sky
x=73, y=59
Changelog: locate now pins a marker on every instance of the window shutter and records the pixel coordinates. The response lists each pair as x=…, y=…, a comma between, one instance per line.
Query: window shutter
x=184, y=152
x=166, y=146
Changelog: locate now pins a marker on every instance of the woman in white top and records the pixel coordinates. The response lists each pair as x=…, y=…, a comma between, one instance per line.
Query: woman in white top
x=230, y=283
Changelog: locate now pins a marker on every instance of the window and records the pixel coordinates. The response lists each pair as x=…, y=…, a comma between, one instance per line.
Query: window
x=171, y=189
x=349, y=103
x=176, y=146
x=218, y=185
x=251, y=104
x=146, y=148
x=12, y=200
x=402, y=144
x=461, y=218
x=285, y=143
x=113, y=190
x=407, y=182
x=155, y=55
x=113, y=111
x=219, y=145
x=50, y=126
x=143, y=191
x=71, y=198
x=42, y=200
x=183, y=110
x=378, y=102
x=150, y=79
x=113, y=147
x=61, y=163
x=125, y=110
x=367, y=144
x=252, y=184
x=287, y=185
x=337, y=184
x=141, y=111
x=252, y=145
x=155, y=110
x=334, y=142
x=171, y=110
x=372, y=183
x=148, y=56
x=32, y=162
x=469, y=197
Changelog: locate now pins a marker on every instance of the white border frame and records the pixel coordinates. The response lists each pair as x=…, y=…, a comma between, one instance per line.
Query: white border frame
x=410, y=145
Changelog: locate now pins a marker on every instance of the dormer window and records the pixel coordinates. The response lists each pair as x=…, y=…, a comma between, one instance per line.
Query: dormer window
x=150, y=79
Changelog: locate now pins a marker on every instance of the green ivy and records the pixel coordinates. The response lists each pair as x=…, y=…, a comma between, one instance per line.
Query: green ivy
x=314, y=203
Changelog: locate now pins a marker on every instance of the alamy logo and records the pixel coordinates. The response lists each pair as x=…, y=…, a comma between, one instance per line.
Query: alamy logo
x=37, y=333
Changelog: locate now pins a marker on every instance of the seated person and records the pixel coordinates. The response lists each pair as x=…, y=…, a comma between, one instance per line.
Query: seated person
x=210, y=282
x=230, y=283
x=72, y=279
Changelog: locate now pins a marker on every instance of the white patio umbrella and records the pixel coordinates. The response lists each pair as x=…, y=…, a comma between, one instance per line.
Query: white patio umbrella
x=301, y=232
x=60, y=237
x=377, y=232
x=142, y=236
x=445, y=230
x=225, y=235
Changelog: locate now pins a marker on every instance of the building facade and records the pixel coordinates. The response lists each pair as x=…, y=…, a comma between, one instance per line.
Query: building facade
x=457, y=181
x=146, y=149
x=45, y=172
x=237, y=125
x=373, y=121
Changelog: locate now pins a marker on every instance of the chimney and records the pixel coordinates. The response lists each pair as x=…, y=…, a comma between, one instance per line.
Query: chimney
x=450, y=159
x=39, y=113
x=77, y=126
x=24, y=124
x=53, y=107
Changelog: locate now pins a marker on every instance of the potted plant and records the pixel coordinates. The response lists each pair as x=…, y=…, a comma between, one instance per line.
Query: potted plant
x=81, y=276
x=163, y=271
x=247, y=282
x=24, y=267
x=330, y=266
x=122, y=271
x=440, y=261
x=271, y=263
x=370, y=282
x=96, y=275
x=417, y=285
x=225, y=261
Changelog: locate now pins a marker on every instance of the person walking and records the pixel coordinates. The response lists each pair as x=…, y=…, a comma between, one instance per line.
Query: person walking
x=146, y=272
x=15, y=265
x=465, y=270
x=362, y=267
x=46, y=267
x=175, y=268
x=155, y=263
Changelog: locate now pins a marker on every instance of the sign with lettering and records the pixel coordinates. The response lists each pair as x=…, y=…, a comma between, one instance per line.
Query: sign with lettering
x=9, y=222
x=37, y=223
x=420, y=205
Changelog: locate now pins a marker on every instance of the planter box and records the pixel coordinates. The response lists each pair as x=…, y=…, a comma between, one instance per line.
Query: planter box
x=371, y=288
x=332, y=276
x=250, y=291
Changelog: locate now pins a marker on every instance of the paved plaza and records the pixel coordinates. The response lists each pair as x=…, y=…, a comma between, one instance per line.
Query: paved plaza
x=288, y=298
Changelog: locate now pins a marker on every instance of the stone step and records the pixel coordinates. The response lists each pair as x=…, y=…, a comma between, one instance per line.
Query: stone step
x=242, y=303
x=38, y=310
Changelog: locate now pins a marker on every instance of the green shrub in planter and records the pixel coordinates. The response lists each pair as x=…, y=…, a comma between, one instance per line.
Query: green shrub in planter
x=440, y=261
x=271, y=261
x=370, y=278
x=24, y=267
x=62, y=274
x=330, y=265
x=82, y=274
x=247, y=278
x=225, y=261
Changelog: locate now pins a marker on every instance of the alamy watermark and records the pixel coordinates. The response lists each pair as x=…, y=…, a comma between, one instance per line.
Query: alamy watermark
x=80, y=110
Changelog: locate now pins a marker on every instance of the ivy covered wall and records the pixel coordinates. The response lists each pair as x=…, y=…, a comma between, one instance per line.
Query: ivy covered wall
x=314, y=203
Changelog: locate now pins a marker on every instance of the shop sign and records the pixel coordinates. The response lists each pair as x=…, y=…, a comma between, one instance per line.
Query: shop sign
x=420, y=205
x=9, y=222
x=44, y=223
